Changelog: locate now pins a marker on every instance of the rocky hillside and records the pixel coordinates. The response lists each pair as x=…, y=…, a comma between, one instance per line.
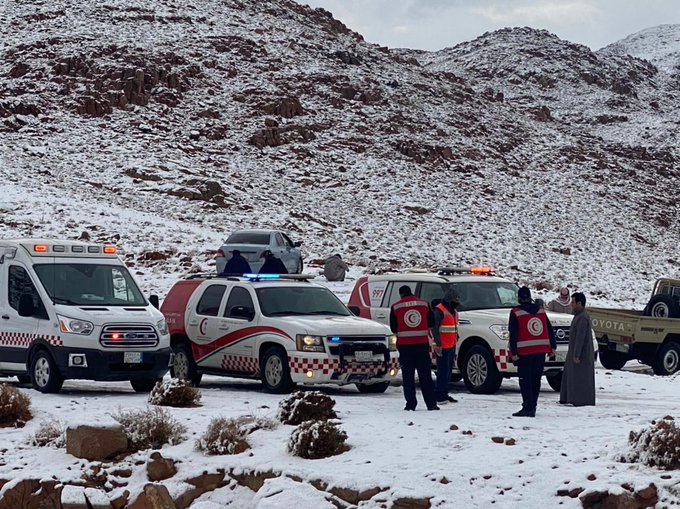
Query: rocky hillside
x=163, y=127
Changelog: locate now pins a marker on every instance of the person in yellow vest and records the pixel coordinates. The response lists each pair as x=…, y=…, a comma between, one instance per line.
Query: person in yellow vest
x=445, y=335
x=531, y=339
x=411, y=319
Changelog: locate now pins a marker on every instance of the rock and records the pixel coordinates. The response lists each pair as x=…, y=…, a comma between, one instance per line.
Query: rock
x=497, y=440
x=201, y=484
x=354, y=497
x=411, y=503
x=159, y=468
x=591, y=477
x=253, y=480
x=96, y=443
x=647, y=497
x=153, y=496
x=120, y=501
x=32, y=494
x=453, y=427
x=510, y=441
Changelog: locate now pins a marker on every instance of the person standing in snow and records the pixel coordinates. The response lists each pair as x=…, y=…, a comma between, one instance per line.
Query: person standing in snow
x=531, y=338
x=578, y=378
x=237, y=264
x=562, y=304
x=411, y=319
x=334, y=268
x=272, y=264
x=445, y=335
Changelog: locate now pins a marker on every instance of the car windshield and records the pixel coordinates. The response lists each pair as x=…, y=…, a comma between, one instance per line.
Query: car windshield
x=299, y=300
x=86, y=284
x=260, y=239
x=476, y=294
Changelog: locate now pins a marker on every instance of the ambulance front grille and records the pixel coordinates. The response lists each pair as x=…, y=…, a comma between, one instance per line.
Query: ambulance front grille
x=123, y=335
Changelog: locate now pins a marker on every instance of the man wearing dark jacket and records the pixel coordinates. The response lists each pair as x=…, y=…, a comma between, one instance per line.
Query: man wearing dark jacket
x=272, y=264
x=445, y=335
x=237, y=264
x=531, y=339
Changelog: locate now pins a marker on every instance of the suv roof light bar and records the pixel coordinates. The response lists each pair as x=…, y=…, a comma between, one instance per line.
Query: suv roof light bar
x=477, y=270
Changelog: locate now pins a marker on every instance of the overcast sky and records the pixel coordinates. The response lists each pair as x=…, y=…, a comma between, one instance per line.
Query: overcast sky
x=436, y=24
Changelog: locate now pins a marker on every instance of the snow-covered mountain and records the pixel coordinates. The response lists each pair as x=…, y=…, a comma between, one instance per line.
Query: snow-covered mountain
x=659, y=45
x=163, y=127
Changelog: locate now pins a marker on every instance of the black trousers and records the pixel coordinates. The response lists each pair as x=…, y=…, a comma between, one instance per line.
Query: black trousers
x=530, y=369
x=416, y=358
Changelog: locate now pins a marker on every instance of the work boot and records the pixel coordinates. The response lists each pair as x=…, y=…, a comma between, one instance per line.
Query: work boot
x=524, y=413
x=450, y=399
x=410, y=408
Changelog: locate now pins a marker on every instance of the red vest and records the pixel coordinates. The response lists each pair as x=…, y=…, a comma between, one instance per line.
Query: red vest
x=412, y=329
x=532, y=332
x=448, y=330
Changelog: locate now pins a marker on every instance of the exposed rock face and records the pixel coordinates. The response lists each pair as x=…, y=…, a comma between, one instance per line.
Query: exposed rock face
x=96, y=443
x=32, y=494
x=159, y=468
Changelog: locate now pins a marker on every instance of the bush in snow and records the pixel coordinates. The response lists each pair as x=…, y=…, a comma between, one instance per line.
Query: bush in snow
x=174, y=392
x=150, y=428
x=49, y=434
x=657, y=445
x=306, y=406
x=317, y=439
x=14, y=407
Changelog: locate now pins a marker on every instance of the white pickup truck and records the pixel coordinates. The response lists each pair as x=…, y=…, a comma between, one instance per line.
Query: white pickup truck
x=71, y=310
x=280, y=329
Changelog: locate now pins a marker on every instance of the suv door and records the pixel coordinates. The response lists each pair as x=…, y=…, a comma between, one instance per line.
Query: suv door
x=280, y=251
x=292, y=253
x=236, y=348
x=203, y=325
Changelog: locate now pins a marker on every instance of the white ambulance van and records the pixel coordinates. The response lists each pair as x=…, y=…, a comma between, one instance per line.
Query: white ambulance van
x=71, y=310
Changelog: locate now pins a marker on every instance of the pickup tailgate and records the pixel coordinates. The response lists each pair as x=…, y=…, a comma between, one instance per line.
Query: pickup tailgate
x=616, y=325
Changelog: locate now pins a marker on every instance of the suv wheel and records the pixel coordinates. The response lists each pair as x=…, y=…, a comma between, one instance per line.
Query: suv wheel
x=555, y=381
x=184, y=366
x=275, y=371
x=612, y=360
x=667, y=359
x=479, y=371
x=45, y=375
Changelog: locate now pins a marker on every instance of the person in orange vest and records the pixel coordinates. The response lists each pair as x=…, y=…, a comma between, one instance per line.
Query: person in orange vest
x=445, y=335
x=531, y=339
x=411, y=320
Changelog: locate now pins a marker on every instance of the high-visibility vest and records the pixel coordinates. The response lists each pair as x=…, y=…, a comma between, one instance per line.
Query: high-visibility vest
x=532, y=332
x=448, y=330
x=411, y=313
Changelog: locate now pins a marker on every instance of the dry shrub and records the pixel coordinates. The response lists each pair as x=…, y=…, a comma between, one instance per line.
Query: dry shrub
x=228, y=436
x=150, y=428
x=176, y=393
x=14, y=407
x=657, y=445
x=306, y=406
x=49, y=434
x=317, y=439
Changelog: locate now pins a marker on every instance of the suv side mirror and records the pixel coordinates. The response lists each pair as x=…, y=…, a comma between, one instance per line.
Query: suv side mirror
x=26, y=305
x=355, y=310
x=153, y=300
x=242, y=312
x=298, y=243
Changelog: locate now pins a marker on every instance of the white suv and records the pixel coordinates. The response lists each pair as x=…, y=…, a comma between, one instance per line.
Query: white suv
x=483, y=354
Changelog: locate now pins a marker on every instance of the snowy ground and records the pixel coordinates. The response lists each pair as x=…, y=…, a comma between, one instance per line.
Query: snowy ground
x=407, y=453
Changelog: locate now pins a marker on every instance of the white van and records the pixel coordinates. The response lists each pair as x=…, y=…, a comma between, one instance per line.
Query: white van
x=71, y=310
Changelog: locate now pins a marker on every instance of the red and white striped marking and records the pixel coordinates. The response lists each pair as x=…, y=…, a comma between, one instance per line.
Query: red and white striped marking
x=24, y=340
x=240, y=364
x=331, y=366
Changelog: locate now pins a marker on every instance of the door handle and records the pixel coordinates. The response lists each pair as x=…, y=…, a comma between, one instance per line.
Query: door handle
x=193, y=322
x=380, y=315
x=5, y=317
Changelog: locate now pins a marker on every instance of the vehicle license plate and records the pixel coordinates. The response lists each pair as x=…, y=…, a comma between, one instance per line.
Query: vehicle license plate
x=560, y=356
x=622, y=348
x=132, y=357
x=363, y=355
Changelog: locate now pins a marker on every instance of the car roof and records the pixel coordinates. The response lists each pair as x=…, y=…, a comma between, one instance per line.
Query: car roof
x=253, y=230
x=438, y=278
x=266, y=280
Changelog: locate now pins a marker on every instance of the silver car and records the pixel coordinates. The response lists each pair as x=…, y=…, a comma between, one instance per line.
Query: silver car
x=251, y=244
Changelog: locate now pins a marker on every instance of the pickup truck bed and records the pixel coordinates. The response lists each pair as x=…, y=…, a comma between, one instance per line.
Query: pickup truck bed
x=624, y=335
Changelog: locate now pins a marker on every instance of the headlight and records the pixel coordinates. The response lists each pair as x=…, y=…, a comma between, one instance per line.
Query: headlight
x=306, y=343
x=162, y=327
x=74, y=326
x=392, y=342
x=501, y=331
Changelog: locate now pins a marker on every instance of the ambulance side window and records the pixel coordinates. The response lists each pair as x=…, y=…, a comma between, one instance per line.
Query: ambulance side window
x=209, y=305
x=19, y=283
x=239, y=304
x=392, y=294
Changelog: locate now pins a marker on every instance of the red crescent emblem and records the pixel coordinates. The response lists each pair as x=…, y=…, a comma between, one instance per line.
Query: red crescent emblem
x=201, y=326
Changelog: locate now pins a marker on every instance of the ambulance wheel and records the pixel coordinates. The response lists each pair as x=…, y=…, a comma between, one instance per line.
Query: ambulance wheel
x=184, y=366
x=45, y=375
x=479, y=371
x=24, y=379
x=555, y=381
x=378, y=388
x=275, y=371
x=612, y=360
x=144, y=385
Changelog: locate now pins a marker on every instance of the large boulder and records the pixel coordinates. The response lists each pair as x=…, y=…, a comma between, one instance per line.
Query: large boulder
x=96, y=443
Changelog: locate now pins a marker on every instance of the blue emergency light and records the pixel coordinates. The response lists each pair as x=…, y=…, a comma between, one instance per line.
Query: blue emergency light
x=335, y=339
x=262, y=276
